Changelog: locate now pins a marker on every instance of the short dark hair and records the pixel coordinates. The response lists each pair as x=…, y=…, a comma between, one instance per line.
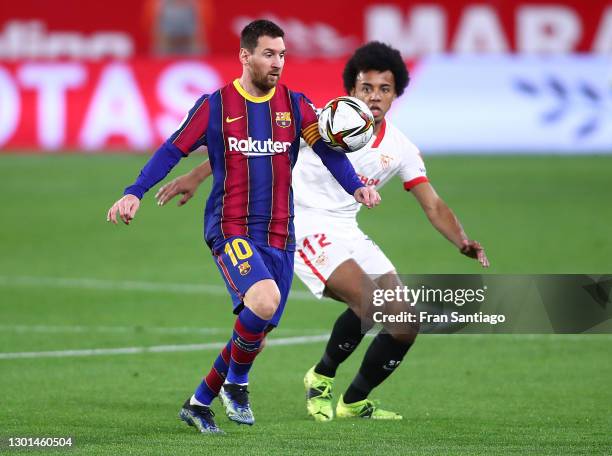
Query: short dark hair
x=253, y=30
x=379, y=57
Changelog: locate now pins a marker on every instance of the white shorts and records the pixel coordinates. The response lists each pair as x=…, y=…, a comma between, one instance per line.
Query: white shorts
x=318, y=255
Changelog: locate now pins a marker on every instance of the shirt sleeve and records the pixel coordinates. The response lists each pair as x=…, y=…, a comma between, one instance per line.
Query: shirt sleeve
x=310, y=121
x=191, y=134
x=412, y=170
x=158, y=167
x=339, y=166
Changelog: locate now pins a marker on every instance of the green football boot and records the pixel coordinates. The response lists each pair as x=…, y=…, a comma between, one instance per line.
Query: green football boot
x=364, y=409
x=319, y=395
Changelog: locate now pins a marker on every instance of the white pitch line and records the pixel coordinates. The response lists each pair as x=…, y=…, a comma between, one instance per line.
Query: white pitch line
x=63, y=329
x=156, y=349
x=270, y=342
x=138, y=330
x=129, y=285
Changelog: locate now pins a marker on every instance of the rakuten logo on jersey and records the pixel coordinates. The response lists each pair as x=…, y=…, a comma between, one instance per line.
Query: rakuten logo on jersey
x=254, y=147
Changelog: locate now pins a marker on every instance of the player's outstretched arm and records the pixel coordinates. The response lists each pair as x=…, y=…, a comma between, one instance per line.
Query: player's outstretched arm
x=127, y=206
x=341, y=168
x=337, y=163
x=158, y=166
x=445, y=221
x=190, y=135
x=185, y=185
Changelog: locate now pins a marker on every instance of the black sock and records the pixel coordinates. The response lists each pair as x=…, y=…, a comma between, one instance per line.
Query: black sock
x=383, y=356
x=343, y=341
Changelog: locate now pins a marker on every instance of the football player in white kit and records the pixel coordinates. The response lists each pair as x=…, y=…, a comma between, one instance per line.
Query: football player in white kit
x=334, y=258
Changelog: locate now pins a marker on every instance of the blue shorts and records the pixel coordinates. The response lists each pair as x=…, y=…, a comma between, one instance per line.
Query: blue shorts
x=242, y=264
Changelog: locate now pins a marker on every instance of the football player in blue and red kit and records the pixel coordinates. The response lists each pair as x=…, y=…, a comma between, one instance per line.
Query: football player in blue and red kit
x=252, y=129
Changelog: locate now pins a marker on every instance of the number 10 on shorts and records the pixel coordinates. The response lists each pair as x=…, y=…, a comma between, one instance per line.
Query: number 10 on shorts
x=237, y=250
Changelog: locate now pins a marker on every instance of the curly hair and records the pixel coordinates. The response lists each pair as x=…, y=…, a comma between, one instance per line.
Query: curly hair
x=379, y=57
x=253, y=30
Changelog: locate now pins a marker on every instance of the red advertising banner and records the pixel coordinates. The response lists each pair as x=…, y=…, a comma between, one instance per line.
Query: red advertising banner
x=454, y=103
x=120, y=29
x=123, y=105
x=417, y=28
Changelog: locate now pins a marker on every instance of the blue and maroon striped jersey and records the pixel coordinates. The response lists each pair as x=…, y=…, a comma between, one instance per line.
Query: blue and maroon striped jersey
x=253, y=144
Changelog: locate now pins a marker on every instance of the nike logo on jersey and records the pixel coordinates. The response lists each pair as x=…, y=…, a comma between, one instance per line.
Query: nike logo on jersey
x=228, y=119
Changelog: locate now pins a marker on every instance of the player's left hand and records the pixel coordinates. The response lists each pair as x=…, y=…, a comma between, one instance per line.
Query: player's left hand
x=368, y=196
x=473, y=249
x=127, y=207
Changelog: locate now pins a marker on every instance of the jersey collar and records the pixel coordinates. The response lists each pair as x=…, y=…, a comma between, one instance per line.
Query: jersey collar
x=250, y=97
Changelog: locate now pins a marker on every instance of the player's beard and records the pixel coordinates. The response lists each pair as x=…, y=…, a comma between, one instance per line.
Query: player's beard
x=265, y=82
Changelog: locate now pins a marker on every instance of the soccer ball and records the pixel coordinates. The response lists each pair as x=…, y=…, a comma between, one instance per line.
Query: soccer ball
x=346, y=124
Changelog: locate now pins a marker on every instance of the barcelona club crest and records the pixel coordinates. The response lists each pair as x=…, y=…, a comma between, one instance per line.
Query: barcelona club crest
x=283, y=119
x=244, y=268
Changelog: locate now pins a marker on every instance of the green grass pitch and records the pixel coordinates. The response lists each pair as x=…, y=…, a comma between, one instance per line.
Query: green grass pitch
x=70, y=281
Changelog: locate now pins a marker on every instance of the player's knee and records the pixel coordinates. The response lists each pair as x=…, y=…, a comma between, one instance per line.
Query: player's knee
x=367, y=323
x=404, y=338
x=407, y=334
x=263, y=309
x=362, y=312
x=263, y=299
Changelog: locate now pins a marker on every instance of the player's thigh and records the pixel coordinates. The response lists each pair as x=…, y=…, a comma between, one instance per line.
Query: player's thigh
x=372, y=259
x=350, y=284
x=389, y=280
x=380, y=269
x=316, y=258
x=242, y=267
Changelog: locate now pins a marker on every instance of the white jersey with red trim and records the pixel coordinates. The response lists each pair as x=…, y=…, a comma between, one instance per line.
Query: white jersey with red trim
x=317, y=194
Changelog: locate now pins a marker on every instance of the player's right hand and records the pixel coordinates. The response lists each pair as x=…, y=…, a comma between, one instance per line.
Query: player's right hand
x=127, y=207
x=473, y=249
x=368, y=196
x=185, y=185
